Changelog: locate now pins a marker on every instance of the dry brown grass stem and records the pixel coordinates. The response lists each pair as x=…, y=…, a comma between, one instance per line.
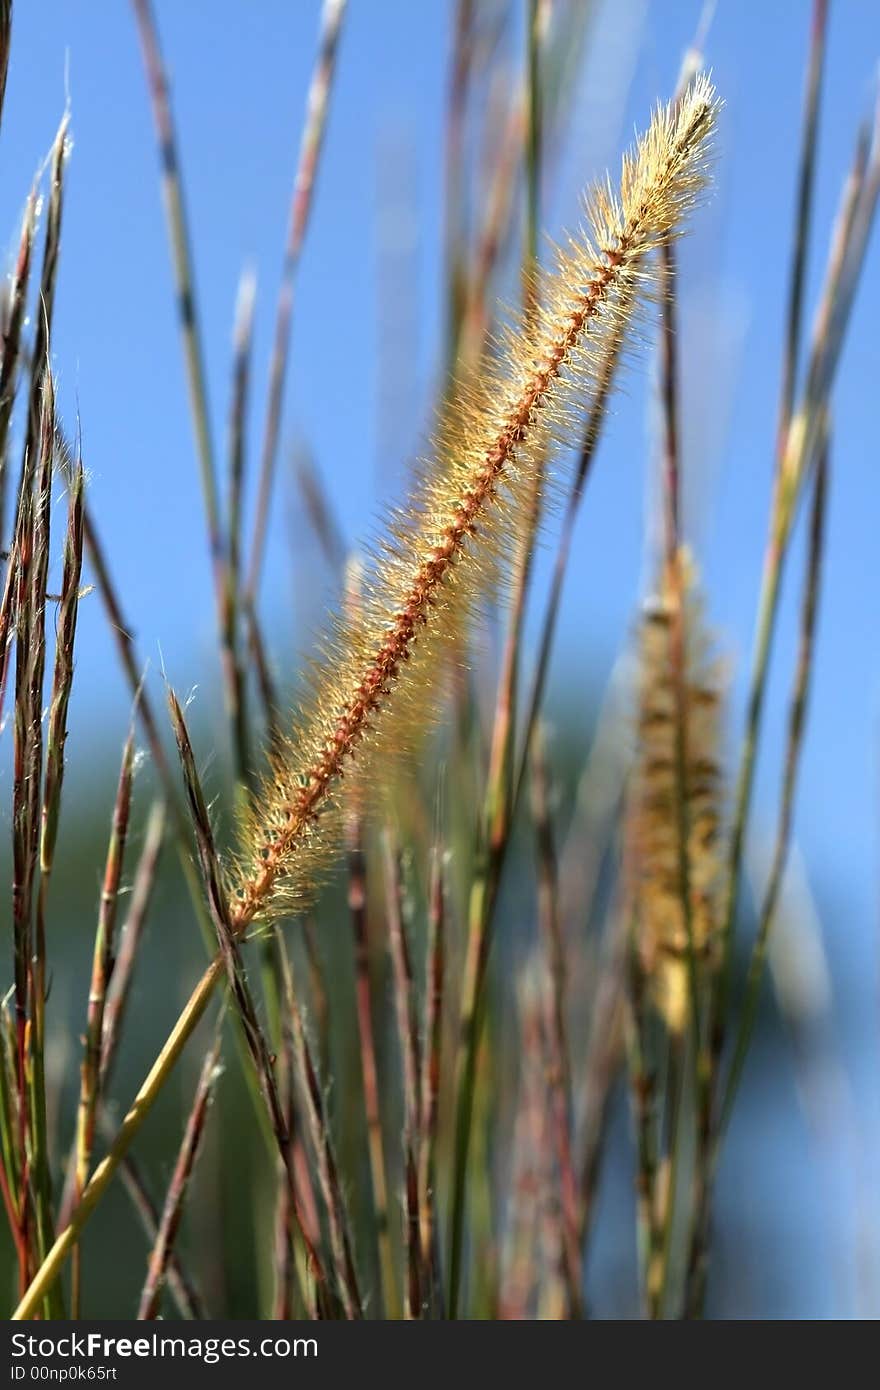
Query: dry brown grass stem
x=181, y=1177
x=240, y=993
x=332, y=16
x=558, y=1066
x=432, y=1034
x=318, y=1129
x=408, y=1042
x=357, y=906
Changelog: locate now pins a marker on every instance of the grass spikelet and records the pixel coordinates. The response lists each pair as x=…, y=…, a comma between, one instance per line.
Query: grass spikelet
x=665, y=935
x=12, y=326
x=370, y=692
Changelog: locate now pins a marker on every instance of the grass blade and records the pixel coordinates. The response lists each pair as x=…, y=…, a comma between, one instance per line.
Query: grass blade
x=172, y=1211
x=103, y=961
x=332, y=15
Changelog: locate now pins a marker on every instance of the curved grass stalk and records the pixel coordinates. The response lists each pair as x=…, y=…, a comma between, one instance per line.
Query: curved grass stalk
x=370, y=693
x=140, y=1108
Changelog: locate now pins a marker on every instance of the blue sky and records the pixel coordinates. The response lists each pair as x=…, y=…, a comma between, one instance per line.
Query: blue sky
x=239, y=74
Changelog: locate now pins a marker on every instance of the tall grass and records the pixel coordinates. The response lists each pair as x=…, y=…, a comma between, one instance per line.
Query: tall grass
x=388, y=759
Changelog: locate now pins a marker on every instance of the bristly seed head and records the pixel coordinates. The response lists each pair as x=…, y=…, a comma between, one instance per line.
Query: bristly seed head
x=386, y=654
x=664, y=932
